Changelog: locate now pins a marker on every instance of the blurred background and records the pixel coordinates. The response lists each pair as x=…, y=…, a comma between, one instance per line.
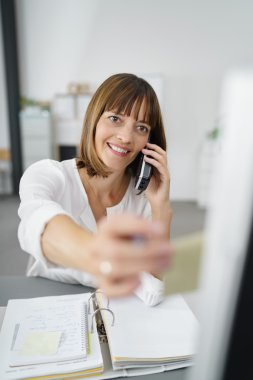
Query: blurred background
x=54, y=54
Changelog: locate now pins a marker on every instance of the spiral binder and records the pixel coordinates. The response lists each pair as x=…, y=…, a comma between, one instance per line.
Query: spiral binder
x=84, y=328
x=97, y=315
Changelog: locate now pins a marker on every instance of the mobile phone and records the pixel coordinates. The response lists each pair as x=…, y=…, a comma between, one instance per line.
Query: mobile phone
x=143, y=174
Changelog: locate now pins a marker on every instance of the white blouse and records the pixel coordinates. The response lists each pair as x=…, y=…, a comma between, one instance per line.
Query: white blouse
x=49, y=188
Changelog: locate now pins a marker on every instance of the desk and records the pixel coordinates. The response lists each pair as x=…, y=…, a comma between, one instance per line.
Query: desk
x=25, y=287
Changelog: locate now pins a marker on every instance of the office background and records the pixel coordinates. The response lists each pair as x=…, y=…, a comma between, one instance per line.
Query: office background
x=184, y=47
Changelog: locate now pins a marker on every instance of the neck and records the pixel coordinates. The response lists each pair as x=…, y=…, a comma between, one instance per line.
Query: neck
x=111, y=188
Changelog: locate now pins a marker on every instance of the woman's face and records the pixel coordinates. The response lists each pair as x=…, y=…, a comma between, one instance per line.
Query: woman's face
x=120, y=138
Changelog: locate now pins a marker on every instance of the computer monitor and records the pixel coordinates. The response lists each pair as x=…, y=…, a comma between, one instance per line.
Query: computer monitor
x=225, y=344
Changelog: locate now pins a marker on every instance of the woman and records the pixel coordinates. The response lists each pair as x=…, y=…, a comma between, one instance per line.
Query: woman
x=71, y=211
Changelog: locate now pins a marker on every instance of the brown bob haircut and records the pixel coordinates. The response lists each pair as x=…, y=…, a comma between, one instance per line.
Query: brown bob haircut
x=120, y=93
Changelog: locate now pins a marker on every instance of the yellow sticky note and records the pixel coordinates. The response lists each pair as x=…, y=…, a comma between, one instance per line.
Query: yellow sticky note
x=183, y=273
x=41, y=343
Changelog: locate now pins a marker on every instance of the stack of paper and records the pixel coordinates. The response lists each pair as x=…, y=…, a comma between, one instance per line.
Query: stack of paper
x=145, y=336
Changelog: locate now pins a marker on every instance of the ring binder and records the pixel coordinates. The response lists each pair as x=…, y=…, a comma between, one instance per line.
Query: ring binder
x=98, y=310
x=99, y=320
x=93, y=297
x=138, y=341
x=84, y=326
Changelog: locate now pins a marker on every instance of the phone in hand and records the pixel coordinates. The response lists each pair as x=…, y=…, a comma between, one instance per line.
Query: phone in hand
x=143, y=174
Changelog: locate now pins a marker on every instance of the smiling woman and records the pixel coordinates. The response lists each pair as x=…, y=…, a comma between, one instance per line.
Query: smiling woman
x=119, y=96
x=120, y=136
x=64, y=204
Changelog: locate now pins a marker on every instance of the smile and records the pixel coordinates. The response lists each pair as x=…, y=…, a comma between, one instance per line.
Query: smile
x=117, y=149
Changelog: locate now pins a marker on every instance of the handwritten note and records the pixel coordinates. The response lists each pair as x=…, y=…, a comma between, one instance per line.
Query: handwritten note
x=50, y=332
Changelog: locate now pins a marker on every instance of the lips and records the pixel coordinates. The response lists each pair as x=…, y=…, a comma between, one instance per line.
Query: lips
x=118, y=150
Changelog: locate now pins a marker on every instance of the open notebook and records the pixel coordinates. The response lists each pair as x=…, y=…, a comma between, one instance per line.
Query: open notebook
x=149, y=336
x=49, y=330
x=142, y=339
x=77, y=353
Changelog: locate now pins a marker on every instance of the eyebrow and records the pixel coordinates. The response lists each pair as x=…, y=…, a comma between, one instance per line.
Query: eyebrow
x=138, y=121
x=124, y=115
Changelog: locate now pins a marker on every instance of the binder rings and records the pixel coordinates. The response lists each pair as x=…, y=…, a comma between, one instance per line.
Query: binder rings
x=124, y=337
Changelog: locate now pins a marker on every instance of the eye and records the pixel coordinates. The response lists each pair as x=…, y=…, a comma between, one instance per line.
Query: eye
x=113, y=118
x=143, y=129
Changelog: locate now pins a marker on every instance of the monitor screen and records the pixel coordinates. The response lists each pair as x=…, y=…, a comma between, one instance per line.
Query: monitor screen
x=224, y=346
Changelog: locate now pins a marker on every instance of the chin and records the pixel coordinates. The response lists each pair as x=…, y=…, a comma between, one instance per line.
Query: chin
x=115, y=165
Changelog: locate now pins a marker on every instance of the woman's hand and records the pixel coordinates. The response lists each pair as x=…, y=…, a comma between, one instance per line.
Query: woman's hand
x=159, y=185
x=117, y=255
x=158, y=190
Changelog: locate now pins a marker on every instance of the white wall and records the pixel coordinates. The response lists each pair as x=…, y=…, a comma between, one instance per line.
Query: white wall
x=189, y=43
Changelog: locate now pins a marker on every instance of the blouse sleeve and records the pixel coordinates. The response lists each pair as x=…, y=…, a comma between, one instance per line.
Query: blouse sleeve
x=41, y=187
x=151, y=289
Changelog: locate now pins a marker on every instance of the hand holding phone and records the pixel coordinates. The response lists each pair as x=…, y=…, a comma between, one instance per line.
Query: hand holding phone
x=143, y=175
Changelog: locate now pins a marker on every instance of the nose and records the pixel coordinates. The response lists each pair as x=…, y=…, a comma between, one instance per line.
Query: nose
x=125, y=135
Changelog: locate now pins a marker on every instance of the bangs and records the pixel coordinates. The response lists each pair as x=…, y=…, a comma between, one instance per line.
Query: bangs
x=130, y=100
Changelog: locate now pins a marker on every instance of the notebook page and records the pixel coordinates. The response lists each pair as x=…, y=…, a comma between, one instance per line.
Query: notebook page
x=140, y=332
x=82, y=367
x=50, y=330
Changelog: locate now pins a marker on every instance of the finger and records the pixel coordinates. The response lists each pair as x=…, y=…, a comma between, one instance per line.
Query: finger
x=125, y=259
x=128, y=225
x=119, y=288
x=125, y=256
x=160, y=167
x=125, y=269
x=122, y=269
x=156, y=148
x=129, y=250
x=155, y=155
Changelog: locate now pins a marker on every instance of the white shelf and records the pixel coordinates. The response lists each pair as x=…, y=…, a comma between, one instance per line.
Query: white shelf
x=68, y=114
x=36, y=137
x=68, y=132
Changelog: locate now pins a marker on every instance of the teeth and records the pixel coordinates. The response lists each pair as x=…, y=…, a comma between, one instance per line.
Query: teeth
x=117, y=149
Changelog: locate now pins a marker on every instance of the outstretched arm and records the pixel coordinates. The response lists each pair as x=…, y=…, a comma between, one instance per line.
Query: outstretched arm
x=110, y=254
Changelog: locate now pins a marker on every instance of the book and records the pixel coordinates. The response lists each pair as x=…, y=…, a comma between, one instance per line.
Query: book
x=142, y=340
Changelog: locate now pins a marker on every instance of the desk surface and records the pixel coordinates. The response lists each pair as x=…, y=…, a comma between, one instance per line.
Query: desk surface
x=25, y=287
